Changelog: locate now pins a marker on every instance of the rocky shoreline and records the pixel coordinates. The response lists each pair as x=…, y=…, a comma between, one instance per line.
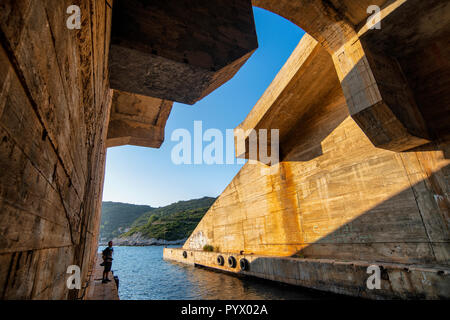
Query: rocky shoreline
x=138, y=239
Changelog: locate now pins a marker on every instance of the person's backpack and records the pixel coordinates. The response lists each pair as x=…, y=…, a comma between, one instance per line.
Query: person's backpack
x=107, y=253
x=103, y=257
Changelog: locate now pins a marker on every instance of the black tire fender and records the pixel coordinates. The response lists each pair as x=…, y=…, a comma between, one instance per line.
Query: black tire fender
x=244, y=264
x=232, y=262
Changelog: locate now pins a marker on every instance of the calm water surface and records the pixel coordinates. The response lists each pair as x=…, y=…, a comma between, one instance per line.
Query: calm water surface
x=144, y=275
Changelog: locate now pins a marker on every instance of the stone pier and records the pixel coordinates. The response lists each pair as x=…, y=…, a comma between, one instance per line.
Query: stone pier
x=97, y=290
x=398, y=281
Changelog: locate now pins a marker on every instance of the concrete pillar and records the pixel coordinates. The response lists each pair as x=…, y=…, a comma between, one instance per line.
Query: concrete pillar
x=375, y=88
x=137, y=120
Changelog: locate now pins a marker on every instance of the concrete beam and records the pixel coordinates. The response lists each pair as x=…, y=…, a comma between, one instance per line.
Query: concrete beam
x=137, y=120
x=376, y=91
x=304, y=82
x=179, y=50
x=331, y=23
x=383, y=82
x=416, y=38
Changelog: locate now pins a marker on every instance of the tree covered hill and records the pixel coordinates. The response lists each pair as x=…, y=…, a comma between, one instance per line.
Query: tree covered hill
x=177, y=207
x=117, y=216
x=173, y=222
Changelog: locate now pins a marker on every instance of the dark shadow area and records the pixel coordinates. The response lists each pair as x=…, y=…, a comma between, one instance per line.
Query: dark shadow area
x=410, y=227
x=421, y=51
x=442, y=144
x=264, y=287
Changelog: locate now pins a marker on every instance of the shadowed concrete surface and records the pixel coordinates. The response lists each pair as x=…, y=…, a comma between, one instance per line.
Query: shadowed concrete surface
x=364, y=138
x=54, y=110
x=58, y=114
x=405, y=281
x=179, y=50
x=137, y=120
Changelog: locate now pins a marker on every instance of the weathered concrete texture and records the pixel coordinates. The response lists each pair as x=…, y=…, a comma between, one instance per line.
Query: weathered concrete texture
x=307, y=78
x=179, y=50
x=54, y=108
x=137, y=120
x=416, y=36
x=343, y=277
x=334, y=195
x=337, y=193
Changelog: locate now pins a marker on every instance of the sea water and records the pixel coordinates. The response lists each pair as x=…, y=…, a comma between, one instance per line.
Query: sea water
x=144, y=275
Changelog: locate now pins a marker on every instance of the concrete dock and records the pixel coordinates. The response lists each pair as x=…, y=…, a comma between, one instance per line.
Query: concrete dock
x=98, y=290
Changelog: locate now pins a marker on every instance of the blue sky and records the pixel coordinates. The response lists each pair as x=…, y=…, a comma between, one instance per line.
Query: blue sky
x=148, y=176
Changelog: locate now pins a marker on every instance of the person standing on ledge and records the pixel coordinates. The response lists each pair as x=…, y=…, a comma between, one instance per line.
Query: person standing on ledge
x=107, y=261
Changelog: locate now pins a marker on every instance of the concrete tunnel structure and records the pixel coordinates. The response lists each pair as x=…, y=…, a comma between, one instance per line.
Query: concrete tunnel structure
x=363, y=115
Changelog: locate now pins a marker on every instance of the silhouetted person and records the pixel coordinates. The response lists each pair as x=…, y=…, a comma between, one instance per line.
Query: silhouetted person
x=107, y=261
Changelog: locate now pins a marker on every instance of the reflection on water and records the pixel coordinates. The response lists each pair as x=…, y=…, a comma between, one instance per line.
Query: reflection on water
x=145, y=275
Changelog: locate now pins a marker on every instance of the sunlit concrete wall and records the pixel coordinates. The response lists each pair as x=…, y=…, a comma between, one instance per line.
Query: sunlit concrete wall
x=56, y=119
x=54, y=105
x=348, y=200
x=334, y=194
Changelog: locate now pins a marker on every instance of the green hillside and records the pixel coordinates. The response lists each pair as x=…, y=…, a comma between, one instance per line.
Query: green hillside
x=173, y=208
x=117, y=216
x=172, y=222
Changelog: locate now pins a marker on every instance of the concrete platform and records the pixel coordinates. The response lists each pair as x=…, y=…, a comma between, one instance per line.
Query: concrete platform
x=98, y=290
x=398, y=281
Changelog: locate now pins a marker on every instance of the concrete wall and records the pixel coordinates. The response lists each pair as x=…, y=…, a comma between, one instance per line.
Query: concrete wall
x=56, y=119
x=351, y=202
x=334, y=194
x=54, y=110
x=364, y=164
x=350, y=278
